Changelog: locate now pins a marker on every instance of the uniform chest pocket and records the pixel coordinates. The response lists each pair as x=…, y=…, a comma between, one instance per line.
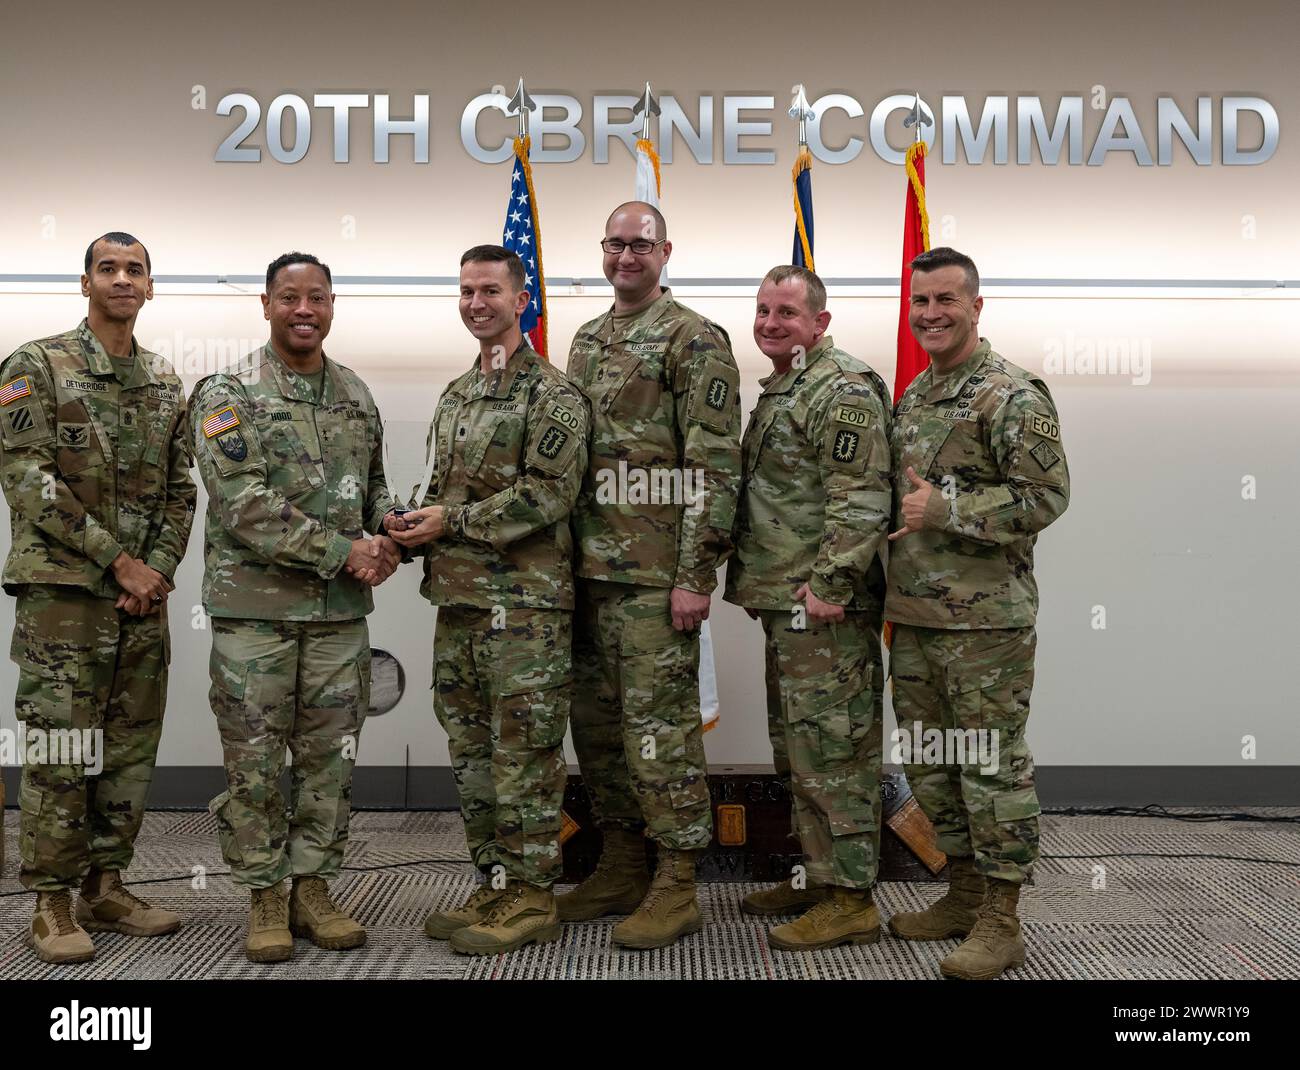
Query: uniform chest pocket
x=493, y=448
x=79, y=443
x=633, y=382
x=922, y=452
x=291, y=467
x=756, y=434
x=160, y=417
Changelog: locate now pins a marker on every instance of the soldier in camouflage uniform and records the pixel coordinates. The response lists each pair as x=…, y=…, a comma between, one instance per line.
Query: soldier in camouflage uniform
x=511, y=436
x=979, y=471
x=813, y=515
x=289, y=447
x=95, y=461
x=653, y=524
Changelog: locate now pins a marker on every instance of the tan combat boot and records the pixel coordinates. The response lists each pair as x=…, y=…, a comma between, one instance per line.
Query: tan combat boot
x=55, y=934
x=669, y=910
x=269, y=938
x=846, y=916
x=313, y=914
x=440, y=924
x=618, y=885
x=106, y=906
x=784, y=898
x=994, y=944
x=522, y=914
x=952, y=915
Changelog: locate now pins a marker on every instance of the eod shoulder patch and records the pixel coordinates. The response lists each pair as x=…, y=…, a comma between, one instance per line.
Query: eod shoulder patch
x=1040, y=433
x=715, y=395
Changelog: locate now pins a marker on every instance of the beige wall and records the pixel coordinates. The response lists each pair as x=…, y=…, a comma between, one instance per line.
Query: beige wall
x=1199, y=585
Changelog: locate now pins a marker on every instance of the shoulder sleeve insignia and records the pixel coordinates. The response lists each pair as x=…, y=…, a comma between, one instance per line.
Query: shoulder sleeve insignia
x=715, y=395
x=234, y=446
x=15, y=389
x=220, y=421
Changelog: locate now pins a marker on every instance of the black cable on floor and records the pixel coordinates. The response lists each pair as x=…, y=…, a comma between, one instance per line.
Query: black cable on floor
x=1156, y=810
x=1143, y=854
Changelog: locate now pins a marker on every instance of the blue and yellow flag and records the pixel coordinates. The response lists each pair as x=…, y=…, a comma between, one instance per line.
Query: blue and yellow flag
x=803, y=212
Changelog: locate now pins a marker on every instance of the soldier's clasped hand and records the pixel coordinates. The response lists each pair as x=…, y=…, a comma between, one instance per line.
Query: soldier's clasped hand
x=423, y=526
x=139, y=580
x=914, y=503
x=821, y=612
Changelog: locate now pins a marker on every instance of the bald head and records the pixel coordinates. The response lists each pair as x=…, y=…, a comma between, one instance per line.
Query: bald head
x=647, y=219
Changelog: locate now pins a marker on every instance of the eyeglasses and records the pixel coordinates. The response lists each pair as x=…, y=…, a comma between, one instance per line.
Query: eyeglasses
x=615, y=246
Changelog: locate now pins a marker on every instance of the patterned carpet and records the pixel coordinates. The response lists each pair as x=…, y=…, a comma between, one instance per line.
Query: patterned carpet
x=1154, y=919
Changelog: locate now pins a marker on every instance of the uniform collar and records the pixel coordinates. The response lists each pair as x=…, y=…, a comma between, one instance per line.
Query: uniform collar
x=950, y=385
x=645, y=318
x=784, y=382
x=100, y=363
x=291, y=385
x=501, y=383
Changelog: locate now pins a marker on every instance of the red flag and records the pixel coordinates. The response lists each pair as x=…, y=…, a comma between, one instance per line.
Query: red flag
x=912, y=359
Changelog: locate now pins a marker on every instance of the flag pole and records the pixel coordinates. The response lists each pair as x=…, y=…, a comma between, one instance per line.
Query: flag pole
x=803, y=240
x=522, y=105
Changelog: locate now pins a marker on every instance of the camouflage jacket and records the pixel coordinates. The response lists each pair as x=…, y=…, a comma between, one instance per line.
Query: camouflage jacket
x=987, y=436
x=659, y=498
x=92, y=467
x=512, y=449
x=291, y=482
x=816, y=501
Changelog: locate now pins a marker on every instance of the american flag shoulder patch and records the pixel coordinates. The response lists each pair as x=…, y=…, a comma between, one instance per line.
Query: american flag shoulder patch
x=219, y=421
x=15, y=389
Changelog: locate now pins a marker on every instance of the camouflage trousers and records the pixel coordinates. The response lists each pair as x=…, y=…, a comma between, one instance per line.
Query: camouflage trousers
x=824, y=720
x=973, y=683
x=84, y=667
x=636, y=714
x=278, y=684
x=502, y=696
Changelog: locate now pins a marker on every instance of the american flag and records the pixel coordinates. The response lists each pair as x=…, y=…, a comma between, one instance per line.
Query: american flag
x=220, y=421
x=19, y=388
x=522, y=234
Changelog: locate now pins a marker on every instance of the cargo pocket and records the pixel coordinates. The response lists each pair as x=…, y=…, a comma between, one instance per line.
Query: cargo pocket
x=837, y=717
x=539, y=696
x=689, y=793
x=29, y=803
x=226, y=836
x=1016, y=805
x=47, y=678
x=852, y=849
x=228, y=676
x=659, y=669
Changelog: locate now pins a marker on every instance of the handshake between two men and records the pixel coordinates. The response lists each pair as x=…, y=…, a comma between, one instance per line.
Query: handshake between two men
x=373, y=560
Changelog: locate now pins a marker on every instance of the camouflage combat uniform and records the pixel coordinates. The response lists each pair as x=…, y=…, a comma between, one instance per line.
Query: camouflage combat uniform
x=292, y=479
x=814, y=508
x=512, y=448
x=663, y=388
x=95, y=461
x=963, y=598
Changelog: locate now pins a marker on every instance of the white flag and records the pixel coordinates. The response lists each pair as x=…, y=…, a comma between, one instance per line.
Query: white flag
x=647, y=189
